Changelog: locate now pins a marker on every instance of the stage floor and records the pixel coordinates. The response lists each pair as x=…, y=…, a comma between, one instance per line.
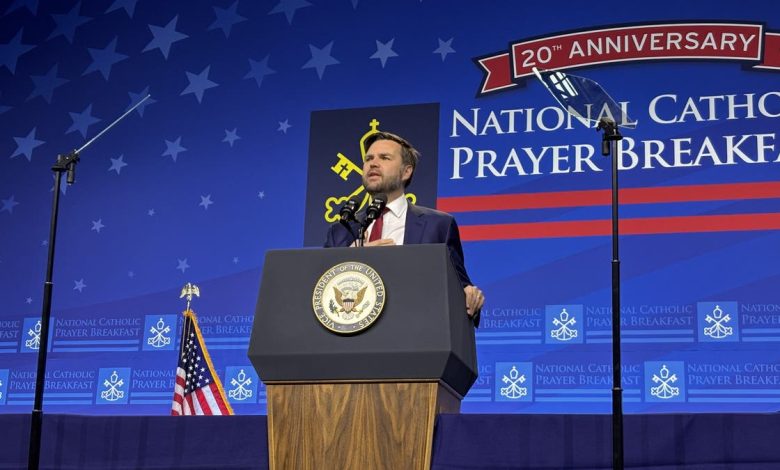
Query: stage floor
x=467, y=441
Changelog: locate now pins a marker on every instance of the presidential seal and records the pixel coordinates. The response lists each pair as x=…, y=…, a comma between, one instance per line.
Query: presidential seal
x=348, y=297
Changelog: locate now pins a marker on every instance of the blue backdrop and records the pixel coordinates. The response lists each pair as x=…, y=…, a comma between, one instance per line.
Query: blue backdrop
x=213, y=170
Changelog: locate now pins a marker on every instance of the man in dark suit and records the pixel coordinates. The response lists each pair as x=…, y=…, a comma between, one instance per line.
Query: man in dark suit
x=388, y=168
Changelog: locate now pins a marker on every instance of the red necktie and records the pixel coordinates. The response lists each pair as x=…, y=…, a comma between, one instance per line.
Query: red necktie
x=376, y=230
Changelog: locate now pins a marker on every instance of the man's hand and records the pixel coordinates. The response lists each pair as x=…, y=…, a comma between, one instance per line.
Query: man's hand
x=381, y=242
x=474, y=299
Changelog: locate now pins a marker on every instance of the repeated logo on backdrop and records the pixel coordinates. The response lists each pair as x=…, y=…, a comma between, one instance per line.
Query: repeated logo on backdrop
x=538, y=377
x=120, y=382
x=526, y=380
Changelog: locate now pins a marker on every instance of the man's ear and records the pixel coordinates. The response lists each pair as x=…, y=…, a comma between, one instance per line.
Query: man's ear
x=407, y=173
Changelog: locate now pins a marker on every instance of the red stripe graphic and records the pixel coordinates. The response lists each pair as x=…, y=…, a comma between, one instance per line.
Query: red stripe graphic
x=643, y=226
x=772, y=54
x=603, y=197
x=498, y=73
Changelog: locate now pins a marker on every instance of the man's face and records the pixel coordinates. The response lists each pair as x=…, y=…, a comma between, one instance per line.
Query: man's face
x=383, y=169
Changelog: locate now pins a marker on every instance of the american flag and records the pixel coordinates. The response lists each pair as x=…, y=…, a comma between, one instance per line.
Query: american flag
x=198, y=390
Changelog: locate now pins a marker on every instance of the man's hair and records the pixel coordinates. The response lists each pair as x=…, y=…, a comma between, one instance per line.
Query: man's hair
x=409, y=155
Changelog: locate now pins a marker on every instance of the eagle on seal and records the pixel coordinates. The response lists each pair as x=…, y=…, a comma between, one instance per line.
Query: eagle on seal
x=346, y=303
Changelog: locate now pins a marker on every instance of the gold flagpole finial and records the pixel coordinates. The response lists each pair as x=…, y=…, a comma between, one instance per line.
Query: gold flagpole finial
x=188, y=291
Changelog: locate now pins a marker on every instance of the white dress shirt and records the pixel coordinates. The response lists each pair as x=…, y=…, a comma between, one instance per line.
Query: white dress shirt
x=394, y=220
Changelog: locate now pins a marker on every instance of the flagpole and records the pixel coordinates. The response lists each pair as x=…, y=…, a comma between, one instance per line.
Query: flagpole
x=187, y=291
x=195, y=373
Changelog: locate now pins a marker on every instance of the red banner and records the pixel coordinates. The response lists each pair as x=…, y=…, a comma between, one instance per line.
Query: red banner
x=710, y=41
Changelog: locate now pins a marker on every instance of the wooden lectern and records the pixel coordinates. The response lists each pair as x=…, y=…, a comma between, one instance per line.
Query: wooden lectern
x=367, y=400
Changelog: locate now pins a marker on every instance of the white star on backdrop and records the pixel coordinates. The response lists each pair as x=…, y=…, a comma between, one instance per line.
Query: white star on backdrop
x=8, y=205
x=258, y=70
x=79, y=285
x=198, y=83
x=231, y=136
x=127, y=5
x=284, y=125
x=226, y=18
x=104, y=59
x=205, y=202
x=26, y=145
x=320, y=59
x=445, y=48
x=164, y=37
x=135, y=98
x=183, y=265
x=384, y=51
x=67, y=23
x=117, y=164
x=11, y=51
x=288, y=7
x=82, y=121
x=97, y=225
x=173, y=148
x=46, y=84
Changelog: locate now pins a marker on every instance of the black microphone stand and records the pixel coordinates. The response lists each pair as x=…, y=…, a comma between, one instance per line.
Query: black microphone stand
x=362, y=235
x=361, y=240
x=65, y=163
x=577, y=95
x=358, y=237
x=362, y=229
x=610, y=137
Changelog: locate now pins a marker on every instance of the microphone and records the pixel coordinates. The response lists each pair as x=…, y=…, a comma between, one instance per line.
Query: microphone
x=374, y=210
x=347, y=212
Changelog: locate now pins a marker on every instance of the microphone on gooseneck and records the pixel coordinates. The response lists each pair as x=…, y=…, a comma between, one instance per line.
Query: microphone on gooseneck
x=347, y=215
x=347, y=212
x=374, y=210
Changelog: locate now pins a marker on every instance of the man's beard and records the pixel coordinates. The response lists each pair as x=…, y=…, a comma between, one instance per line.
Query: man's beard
x=384, y=185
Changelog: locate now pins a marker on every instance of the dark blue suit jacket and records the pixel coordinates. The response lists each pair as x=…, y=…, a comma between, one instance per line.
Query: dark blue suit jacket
x=423, y=225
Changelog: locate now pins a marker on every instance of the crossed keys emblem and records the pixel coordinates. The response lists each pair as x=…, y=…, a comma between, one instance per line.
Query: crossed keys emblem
x=564, y=322
x=664, y=390
x=514, y=380
x=344, y=168
x=718, y=330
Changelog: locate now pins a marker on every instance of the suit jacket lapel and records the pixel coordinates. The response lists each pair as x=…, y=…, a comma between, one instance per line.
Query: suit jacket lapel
x=415, y=226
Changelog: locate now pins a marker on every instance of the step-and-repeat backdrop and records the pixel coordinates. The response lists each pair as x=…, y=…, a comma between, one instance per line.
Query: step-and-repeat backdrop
x=252, y=138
